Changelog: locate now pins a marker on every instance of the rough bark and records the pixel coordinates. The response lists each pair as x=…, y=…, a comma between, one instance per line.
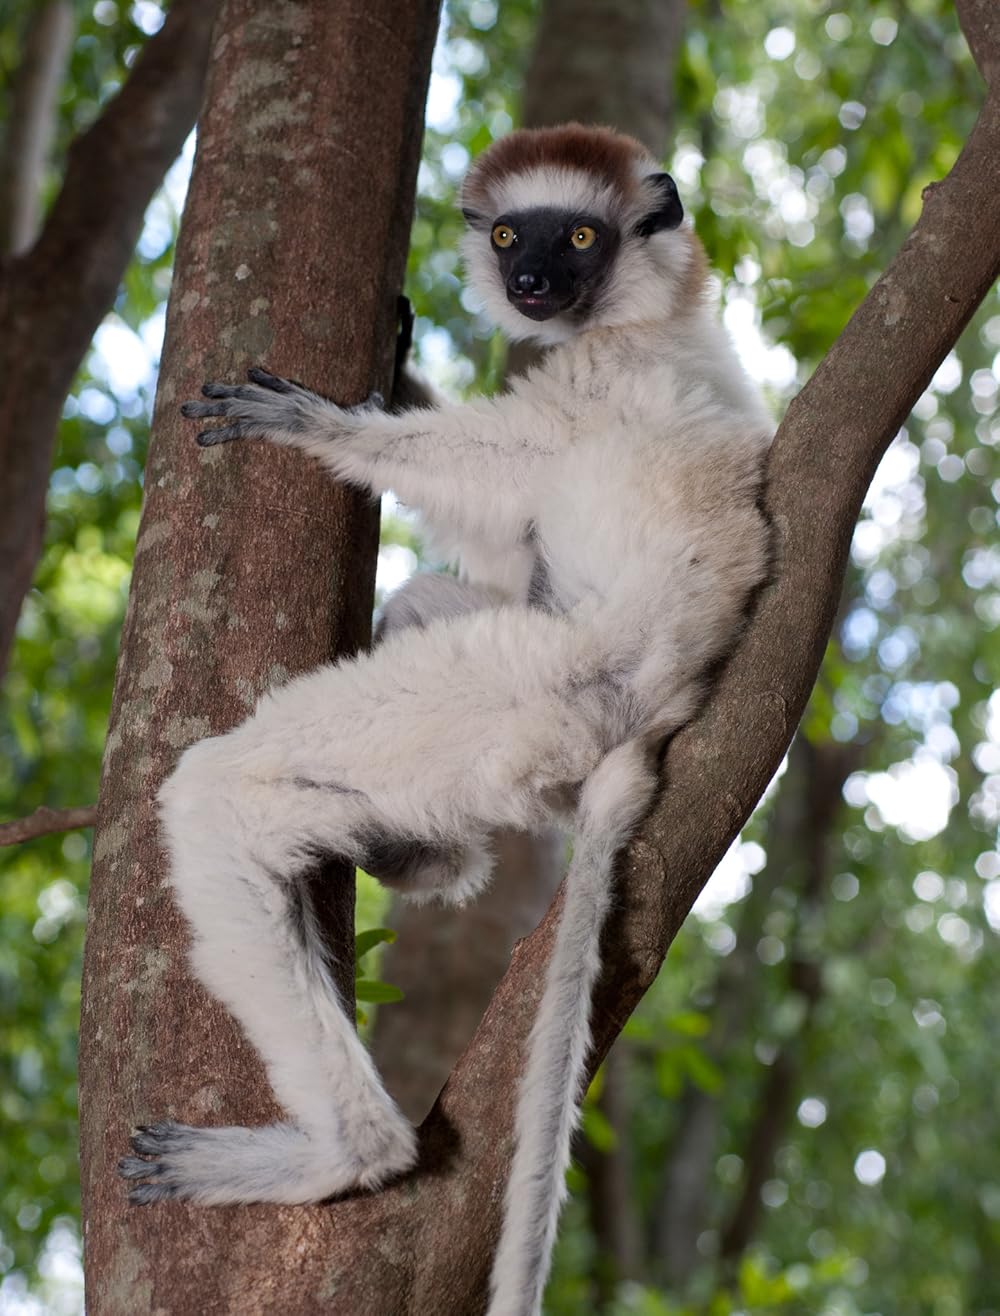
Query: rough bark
x=422, y=1247
x=53, y=296
x=31, y=122
x=250, y=565
x=600, y=61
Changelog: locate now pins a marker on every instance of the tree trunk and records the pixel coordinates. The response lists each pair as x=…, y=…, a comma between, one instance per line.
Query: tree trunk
x=606, y=61
x=53, y=296
x=600, y=61
x=448, y=962
x=250, y=565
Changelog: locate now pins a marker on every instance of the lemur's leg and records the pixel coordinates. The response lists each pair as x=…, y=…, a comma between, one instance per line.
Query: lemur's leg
x=418, y=872
x=240, y=839
x=426, y=743
x=433, y=596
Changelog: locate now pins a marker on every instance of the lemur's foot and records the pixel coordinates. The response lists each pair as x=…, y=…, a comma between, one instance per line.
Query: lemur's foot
x=267, y=407
x=276, y=1163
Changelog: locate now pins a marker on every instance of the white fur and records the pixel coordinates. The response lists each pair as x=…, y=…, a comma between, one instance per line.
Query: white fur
x=623, y=473
x=553, y=185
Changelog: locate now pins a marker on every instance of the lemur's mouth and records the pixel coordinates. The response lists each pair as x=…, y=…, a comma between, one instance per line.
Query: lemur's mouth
x=539, y=306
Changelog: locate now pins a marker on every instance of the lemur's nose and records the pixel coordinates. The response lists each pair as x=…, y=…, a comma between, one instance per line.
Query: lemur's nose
x=528, y=283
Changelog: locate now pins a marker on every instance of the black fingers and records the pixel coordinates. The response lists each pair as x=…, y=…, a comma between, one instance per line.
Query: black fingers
x=274, y=382
x=221, y=407
x=222, y=404
x=195, y=410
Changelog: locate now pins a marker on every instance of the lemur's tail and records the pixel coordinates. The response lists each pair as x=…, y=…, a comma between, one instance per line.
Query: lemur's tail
x=614, y=798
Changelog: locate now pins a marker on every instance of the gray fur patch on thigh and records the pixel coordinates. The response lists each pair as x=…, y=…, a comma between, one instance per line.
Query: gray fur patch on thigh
x=399, y=859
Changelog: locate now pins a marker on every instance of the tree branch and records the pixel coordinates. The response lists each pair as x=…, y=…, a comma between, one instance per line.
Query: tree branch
x=52, y=298
x=682, y=1202
x=980, y=23
x=93, y=228
x=31, y=122
x=44, y=821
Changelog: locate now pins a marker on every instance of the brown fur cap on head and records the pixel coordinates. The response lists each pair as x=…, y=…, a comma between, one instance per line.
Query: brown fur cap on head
x=614, y=160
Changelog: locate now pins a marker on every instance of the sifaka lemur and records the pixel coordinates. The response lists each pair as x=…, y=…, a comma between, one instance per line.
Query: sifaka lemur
x=606, y=513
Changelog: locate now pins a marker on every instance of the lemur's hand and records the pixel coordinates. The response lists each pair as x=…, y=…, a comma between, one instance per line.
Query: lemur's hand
x=267, y=407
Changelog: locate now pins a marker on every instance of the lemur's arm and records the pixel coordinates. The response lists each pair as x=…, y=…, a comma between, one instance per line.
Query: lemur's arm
x=473, y=466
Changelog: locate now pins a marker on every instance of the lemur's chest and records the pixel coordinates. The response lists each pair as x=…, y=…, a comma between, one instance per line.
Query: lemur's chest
x=588, y=523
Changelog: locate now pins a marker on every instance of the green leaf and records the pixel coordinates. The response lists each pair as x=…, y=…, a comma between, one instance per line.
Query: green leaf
x=692, y=1023
x=378, y=993
x=704, y=1073
x=598, y=1129
x=669, y=1074
x=370, y=938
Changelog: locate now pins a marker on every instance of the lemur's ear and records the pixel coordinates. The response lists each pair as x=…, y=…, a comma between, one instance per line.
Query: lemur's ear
x=666, y=210
x=473, y=218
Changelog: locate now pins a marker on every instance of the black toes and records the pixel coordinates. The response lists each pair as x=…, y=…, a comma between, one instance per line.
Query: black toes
x=226, y=433
x=133, y=1167
x=145, y=1141
x=154, y=1140
x=213, y=390
x=145, y=1194
x=151, y=1139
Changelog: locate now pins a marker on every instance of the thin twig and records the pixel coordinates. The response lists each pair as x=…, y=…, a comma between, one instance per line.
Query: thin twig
x=44, y=821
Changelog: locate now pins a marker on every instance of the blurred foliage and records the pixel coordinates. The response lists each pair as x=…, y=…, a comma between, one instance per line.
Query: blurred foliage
x=807, y=131
x=368, y=989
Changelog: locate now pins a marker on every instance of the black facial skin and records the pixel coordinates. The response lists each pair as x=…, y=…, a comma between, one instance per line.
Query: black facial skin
x=543, y=272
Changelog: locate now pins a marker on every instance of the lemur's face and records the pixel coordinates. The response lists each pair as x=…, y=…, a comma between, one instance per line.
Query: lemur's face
x=552, y=260
x=560, y=222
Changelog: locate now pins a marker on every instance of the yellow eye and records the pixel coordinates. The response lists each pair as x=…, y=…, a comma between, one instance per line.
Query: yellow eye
x=503, y=235
x=583, y=237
